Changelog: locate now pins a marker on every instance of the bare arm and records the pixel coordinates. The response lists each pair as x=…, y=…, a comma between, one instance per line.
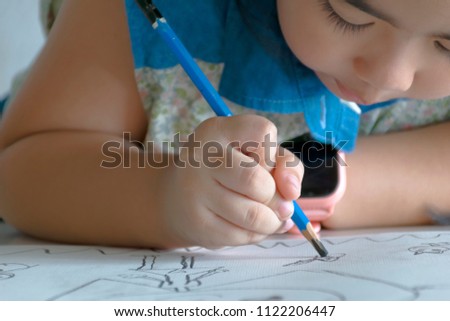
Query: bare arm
x=393, y=178
x=80, y=94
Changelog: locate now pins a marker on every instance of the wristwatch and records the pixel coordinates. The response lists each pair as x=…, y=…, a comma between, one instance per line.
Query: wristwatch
x=324, y=179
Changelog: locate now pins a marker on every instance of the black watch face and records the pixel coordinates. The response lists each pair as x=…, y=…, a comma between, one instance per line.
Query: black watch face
x=321, y=165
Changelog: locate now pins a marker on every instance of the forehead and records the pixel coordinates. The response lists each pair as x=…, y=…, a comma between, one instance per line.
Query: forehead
x=414, y=15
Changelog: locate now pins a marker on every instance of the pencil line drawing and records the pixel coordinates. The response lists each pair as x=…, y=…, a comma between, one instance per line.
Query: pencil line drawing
x=388, y=239
x=412, y=291
x=306, y=260
x=431, y=248
x=175, y=278
x=389, y=266
x=6, y=269
x=62, y=250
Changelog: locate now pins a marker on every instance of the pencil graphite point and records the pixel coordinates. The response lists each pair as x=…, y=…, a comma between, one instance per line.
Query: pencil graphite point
x=319, y=247
x=312, y=237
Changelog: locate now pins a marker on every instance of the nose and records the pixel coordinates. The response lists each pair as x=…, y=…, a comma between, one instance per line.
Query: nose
x=390, y=69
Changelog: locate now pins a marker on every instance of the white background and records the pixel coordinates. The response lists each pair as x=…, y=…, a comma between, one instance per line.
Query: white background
x=21, y=37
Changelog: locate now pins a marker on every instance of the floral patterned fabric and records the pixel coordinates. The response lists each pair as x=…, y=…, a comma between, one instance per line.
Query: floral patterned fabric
x=174, y=105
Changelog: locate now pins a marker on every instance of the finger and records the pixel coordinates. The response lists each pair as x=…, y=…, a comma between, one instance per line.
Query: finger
x=255, y=136
x=217, y=232
x=288, y=174
x=242, y=211
x=282, y=207
x=287, y=226
x=242, y=175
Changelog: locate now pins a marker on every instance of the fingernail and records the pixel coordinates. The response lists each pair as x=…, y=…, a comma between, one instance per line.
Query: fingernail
x=294, y=182
x=287, y=225
x=285, y=210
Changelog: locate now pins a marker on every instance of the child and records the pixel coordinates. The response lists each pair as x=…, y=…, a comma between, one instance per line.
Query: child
x=80, y=106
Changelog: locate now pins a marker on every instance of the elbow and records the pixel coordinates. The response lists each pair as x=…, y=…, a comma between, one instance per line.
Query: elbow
x=16, y=201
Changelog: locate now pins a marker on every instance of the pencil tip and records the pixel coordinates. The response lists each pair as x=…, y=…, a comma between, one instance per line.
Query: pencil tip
x=312, y=237
x=319, y=247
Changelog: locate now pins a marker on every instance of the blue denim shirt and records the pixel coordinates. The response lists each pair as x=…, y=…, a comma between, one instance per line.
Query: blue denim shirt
x=260, y=71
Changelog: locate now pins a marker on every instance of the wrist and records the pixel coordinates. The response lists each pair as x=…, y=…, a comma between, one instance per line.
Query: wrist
x=171, y=205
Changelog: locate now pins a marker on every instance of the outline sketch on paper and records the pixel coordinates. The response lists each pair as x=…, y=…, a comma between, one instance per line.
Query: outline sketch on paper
x=7, y=269
x=177, y=279
x=431, y=248
x=269, y=270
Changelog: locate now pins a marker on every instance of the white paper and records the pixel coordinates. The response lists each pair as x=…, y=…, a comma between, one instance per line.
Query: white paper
x=386, y=266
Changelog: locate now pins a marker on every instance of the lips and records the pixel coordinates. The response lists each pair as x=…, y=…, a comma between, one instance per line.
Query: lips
x=350, y=95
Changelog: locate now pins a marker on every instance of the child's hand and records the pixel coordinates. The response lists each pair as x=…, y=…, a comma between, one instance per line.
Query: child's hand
x=236, y=195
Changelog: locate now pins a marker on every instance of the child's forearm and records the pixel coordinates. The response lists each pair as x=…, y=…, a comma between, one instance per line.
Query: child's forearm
x=52, y=186
x=393, y=178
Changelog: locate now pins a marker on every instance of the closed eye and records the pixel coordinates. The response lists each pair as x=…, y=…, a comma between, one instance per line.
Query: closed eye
x=442, y=48
x=339, y=22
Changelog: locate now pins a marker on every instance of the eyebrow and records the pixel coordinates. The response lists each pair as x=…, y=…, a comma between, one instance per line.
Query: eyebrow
x=367, y=8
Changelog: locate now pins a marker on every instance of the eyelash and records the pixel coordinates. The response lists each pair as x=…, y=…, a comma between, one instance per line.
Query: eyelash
x=442, y=48
x=340, y=22
x=345, y=26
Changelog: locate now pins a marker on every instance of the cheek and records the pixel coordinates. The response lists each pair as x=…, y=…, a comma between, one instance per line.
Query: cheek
x=432, y=86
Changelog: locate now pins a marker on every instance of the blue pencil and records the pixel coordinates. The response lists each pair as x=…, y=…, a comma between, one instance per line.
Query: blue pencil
x=213, y=98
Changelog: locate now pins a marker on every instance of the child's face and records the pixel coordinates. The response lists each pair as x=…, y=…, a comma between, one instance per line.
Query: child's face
x=369, y=51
